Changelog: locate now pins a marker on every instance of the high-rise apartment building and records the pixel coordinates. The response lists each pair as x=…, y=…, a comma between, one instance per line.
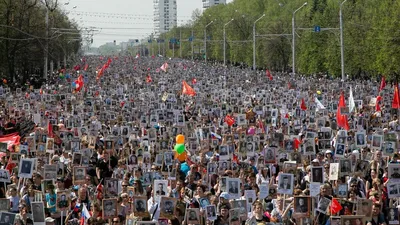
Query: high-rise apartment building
x=165, y=16
x=209, y=3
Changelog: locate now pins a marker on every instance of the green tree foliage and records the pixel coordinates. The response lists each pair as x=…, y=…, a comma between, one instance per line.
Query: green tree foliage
x=23, y=37
x=371, y=35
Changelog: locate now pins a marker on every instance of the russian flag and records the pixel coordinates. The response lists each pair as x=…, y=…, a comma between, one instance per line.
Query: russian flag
x=215, y=135
x=85, y=215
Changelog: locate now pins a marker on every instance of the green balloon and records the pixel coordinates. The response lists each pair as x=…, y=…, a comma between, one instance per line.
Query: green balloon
x=179, y=148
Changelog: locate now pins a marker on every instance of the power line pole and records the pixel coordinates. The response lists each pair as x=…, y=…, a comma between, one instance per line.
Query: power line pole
x=192, y=44
x=294, y=39
x=342, y=41
x=254, y=41
x=46, y=49
x=205, y=41
x=180, y=45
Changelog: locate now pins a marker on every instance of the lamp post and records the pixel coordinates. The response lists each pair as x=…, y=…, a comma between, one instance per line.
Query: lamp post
x=254, y=41
x=341, y=40
x=225, y=40
x=191, y=43
x=205, y=41
x=294, y=39
x=46, y=49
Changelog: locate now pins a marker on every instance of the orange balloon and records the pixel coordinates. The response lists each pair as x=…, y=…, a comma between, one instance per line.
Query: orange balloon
x=181, y=157
x=180, y=139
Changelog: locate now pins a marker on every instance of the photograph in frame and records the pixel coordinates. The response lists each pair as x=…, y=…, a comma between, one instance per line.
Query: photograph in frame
x=109, y=208
x=167, y=208
x=193, y=216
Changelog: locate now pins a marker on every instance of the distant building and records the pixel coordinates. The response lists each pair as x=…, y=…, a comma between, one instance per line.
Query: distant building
x=209, y=3
x=165, y=16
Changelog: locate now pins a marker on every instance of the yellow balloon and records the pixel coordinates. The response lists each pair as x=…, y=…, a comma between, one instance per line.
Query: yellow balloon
x=180, y=139
x=319, y=92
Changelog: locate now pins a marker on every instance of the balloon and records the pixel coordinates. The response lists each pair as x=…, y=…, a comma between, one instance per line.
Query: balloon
x=181, y=157
x=73, y=84
x=319, y=92
x=185, y=168
x=179, y=148
x=180, y=139
x=251, y=130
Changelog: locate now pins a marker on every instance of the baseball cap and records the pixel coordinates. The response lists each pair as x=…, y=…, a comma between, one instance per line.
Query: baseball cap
x=225, y=195
x=49, y=220
x=56, y=158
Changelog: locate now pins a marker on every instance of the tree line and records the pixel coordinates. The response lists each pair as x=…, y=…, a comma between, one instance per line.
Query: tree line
x=371, y=36
x=23, y=39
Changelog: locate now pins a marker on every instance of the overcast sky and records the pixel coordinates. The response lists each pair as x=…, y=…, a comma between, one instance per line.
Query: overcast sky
x=116, y=26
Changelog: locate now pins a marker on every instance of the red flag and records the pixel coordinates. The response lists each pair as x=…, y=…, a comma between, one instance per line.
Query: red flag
x=335, y=206
x=187, y=90
x=235, y=158
x=148, y=79
x=268, y=74
x=396, y=102
x=303, y=105
x=377, y=106
x=50, y=129
x=10, y=165
x=383, y=84
x=296, y=143
x=77, y=67
x=342, y=119
x=229, y=120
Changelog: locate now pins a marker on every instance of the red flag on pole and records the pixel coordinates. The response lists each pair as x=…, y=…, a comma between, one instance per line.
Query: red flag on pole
x=341, y=120
x=303, y=105
x=268, y=74
x=383, y=84
x=148, y=79
x=50, y=129
x=335, y=206
x=187, y=90
x=377, y=106
x=10, y=165
x=396, y=102
x=229, y=120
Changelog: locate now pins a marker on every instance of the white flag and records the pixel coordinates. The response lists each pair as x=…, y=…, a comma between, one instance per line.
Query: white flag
x=352, y=105
x=319, y=104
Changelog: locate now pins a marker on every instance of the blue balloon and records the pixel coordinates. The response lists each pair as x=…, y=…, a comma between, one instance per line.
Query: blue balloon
x=185, y=168
x=67, y=76
x=73, y=84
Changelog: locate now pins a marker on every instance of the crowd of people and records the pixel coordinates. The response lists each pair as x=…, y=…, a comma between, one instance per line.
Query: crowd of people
x=259, y=147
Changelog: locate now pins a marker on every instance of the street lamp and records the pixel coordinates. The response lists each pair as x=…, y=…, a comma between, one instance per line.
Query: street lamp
x=341, y=40
x=254, y=41
x=294, y=39
x=205, y=41
x=225, y=40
